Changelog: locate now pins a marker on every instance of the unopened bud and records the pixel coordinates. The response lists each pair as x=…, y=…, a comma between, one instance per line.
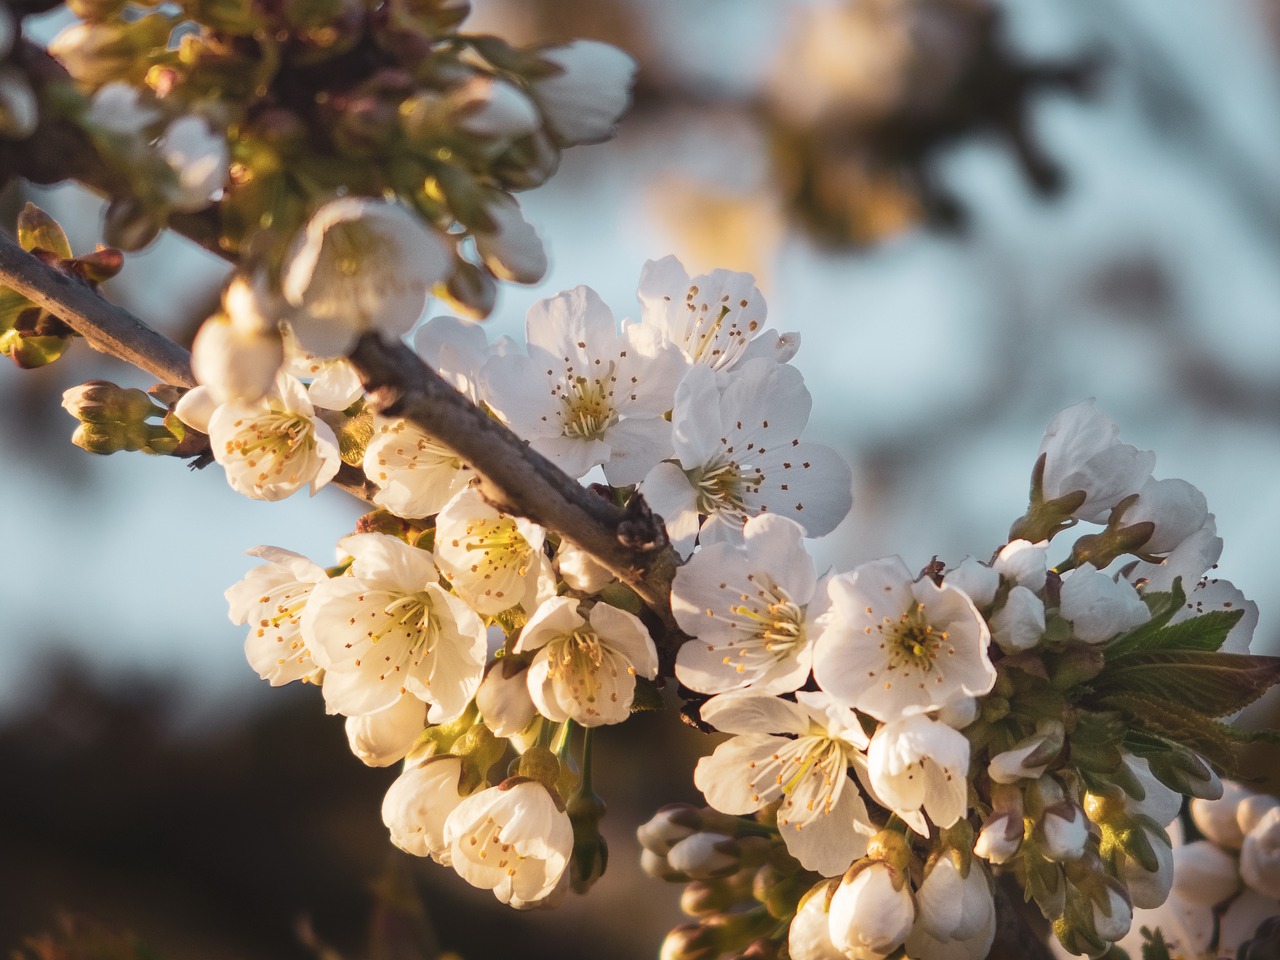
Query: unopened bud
x=656, y=866
x=129, y=225
x=669, y=826
x=1064, y=831
x=1217, y=818
x=705, y=856
x=1204, y=873
x=1260, y=855
x=503, y=698
x=99, y=401
x=1000, y=839
x=1029, y=758
x=1254, y=808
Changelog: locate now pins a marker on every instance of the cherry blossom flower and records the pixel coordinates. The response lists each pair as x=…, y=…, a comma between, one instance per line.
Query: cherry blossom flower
x=271, y=448
x=512, y=839
x=587, y=395
x=359, y=265
x=491, y=560
x=333, y=383
x=1083, y=452
x=809, y=937
x=585, y=668
x=1019, y=623
x=822, y=818
x=236, y=356
x=892, y=646
x=199, y=160
x=1175, y=509
x=1098, y=607
x=418, y=804
x=714, y=319
x=748, y=609
x=270, y=599
x=503, y=699
x=389, y=627
x=415, y=475
x=951, y=905
x=918, y=766
x=738, y=454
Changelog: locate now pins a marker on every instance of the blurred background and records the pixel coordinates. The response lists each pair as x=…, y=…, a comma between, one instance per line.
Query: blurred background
x=974, y=212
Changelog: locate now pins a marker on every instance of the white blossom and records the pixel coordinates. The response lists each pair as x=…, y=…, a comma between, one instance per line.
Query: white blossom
x=1148, y=888
x=747, y=609
x=1210, y=595
x=1216, y=819
x=270, y=448
x=199, y=160
x=512, y=250
x=1176, y=510
x=493, y=561
x=738, y=454
x=1204, y=873
x=270, y=599
x=585, y=668
x=713, y=319
x=891, y=645
x=457, y=350
x=954, y=906
x=503, y=700
x=1188, y=929
x=236, y=362
x=809, y=937
x=1083, y=452
x=1189, y=560
x=1028, y=759
x=512, y=839
x=1023, y=563
x=583, y=100
x=1064, y=830
x=333, y=383
x=1098, y=607
x=415, y=474
x=493, y=108
x=389, y=627
x=822, y=818
x=359, y=265
x=418, y=804
x=1112, y=920
x=916, y=764
x=978, y=580
x=1260, y=855
x=587, y=395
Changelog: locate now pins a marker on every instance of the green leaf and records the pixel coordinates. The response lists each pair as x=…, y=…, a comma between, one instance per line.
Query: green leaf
x=1214, y=684
x=1095, y=742
x=1169, y=720
x=12, y=305
x=1163, y=605
x=1153, y=945
x=1206, y=632
x=32, y=352
x=39, y=231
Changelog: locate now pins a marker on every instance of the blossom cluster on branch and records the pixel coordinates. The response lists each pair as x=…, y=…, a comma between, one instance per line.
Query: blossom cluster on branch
x=563, y=526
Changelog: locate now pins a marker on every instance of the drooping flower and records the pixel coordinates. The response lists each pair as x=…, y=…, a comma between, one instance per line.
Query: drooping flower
x=386, y=737
x=919, y=766
x=951, y=905
x=585, y=668
x=822, y=818
x=360, y=265
x=748, y=609
x=389, y=628
x=418, y=804
x=891, y=645
x=871, y=912
x=587, y=395
x=270, y=599
x=738, y=454
x=493, y=561
x=271, y=448
x=1175, y=509
x=713, y=319
x=512, y=839
x=238, y=352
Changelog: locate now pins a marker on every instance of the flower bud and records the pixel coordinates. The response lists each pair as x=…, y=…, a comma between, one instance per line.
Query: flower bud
x=1098, y=607
x=418, y=804
x=871, y=911
x=19, y=107
x=237, y=364
x=100, y=401
x=1217, y=818
x=97, y=53
x=386, y=737
x=1019, y=624
x=1260, y=855
x=1175, y=509
x=1112, y=919
x=1252, y=809
x=512, y=250
x=491, y=108
x=978, y=581
x=585, y=97
x=1064, y=831
x=1000, y=839
x=669, y=826
x=503, y=698
x=691, y=941
x=705, y=856
x=1029, y=759
x=655, y=865
x=810, y=935
x=1204, y=873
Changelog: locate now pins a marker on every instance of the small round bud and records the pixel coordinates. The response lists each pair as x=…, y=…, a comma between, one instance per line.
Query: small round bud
x=1204, y=873
x=1217, y=818
x=704, y=856
x=669, y=826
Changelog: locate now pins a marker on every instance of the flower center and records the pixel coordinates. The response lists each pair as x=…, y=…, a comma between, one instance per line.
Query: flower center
x=272, y=444
x=485, y=844
x=414, y=617
x=913, y=641
x=576, y=659
x=500, y=545
x=718, y=487
x=808, y=771
x=588, y=408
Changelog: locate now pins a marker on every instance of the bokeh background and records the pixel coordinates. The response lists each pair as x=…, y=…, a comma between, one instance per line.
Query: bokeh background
x=974, y=212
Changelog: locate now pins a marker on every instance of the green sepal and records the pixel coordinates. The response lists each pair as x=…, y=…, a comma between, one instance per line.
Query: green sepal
x=1175, y=766
x=647, y=696
x=1095, y=742
x=1153, y=945
x=353, y=433
x=1044, y=884
x=39, y=231
x=1207, y=682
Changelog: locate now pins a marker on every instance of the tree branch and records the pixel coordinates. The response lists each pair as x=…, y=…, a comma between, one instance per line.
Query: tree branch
x=630, y=543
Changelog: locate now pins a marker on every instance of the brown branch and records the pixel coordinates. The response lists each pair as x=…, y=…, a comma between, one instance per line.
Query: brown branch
x=631, y=543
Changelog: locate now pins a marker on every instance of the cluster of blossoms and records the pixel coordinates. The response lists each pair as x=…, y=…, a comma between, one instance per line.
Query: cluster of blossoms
x=902, y=739
x=450, y=634
x=897, y=741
